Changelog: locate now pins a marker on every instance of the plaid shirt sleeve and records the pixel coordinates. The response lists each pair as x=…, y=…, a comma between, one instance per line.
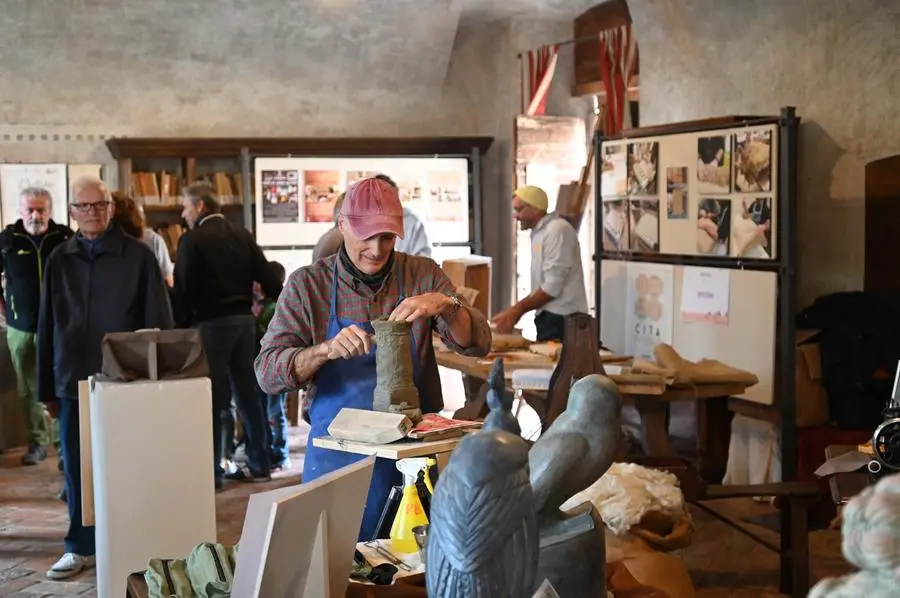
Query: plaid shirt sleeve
x=481, y=330
x=289, y=333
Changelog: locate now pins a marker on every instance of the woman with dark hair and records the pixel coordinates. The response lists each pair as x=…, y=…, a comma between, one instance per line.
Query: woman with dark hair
x=130, y=216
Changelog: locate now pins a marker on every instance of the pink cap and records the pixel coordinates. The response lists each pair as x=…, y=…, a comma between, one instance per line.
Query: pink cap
x=372, y=207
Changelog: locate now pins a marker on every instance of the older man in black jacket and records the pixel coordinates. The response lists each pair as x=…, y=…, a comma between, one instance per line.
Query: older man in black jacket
x=25, y=247
x=215, y=269
x=99, y=281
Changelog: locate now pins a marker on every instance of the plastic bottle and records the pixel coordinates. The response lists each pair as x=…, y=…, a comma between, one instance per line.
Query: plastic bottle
x=410, y=513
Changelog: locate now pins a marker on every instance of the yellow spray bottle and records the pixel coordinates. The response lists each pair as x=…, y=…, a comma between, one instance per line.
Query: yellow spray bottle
x=410, y=513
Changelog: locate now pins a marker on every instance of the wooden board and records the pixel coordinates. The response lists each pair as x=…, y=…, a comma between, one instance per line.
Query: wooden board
x=86, y=457
x=396, y=450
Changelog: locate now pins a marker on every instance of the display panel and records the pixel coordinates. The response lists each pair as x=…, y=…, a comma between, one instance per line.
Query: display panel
x=741, y=337
x=14, y=178
x=291, y=259
x=296, y=196
x=710, y=193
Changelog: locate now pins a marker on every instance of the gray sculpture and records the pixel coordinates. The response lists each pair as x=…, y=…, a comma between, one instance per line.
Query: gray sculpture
x=395, y=390
x=571, y=455
x=483, y=537
x=500, y=403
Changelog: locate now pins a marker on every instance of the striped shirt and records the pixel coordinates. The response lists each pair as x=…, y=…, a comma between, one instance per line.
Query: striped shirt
x=301, y=319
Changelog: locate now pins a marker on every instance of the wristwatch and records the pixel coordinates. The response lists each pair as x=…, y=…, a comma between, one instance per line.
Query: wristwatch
x=455, y=304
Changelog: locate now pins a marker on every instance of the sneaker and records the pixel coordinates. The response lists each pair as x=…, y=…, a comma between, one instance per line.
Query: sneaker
x=244, y=474
x=35, y=455
x=70, y=565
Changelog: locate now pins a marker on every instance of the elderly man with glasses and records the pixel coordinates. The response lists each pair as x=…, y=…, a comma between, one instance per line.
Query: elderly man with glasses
x=102, y=280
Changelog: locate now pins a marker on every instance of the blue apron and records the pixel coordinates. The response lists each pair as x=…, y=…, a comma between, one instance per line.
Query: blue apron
x=350, y=383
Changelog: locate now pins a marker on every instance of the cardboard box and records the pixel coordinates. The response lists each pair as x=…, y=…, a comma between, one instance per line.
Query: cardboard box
x=812, y=400
x=473, y=272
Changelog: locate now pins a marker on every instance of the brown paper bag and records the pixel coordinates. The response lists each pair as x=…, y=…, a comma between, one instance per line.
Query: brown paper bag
x=153, y=355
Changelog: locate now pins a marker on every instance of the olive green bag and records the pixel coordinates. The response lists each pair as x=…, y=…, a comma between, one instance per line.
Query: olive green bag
x=168, y=578
x=210, y=568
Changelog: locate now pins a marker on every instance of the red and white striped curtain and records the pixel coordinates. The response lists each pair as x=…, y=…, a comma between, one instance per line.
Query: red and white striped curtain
x=541, y=65
x=618, y=50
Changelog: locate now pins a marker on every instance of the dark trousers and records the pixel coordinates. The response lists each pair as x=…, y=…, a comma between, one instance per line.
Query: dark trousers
x=550, y=327
x=80, y=539
x=278, y=427
x=230, y=345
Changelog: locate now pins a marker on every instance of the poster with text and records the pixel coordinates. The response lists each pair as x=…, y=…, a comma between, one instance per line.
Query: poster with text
x=280, y=196
x=649, y=308
x=705, y=295
x=447, y=202
x=15, y=178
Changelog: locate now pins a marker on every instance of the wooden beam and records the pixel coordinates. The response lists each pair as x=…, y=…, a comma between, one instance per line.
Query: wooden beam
x=596, y=88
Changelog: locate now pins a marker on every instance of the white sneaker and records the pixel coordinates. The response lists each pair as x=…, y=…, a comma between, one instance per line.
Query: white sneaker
x=70, y=565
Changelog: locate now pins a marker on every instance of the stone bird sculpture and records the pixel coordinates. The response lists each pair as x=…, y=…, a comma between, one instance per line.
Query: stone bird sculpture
x=500, y=403
x=574, y=452
x=580, y=445
x=483, y=536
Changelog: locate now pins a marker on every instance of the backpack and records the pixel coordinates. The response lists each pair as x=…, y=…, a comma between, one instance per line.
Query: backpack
x=211, y=570
x=168, y=578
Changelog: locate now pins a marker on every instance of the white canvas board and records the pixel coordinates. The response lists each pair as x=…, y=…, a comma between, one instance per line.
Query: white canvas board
x=296, y=196
x=649, y=307
x=14, y=178
x=154, y=495
x=292, y=535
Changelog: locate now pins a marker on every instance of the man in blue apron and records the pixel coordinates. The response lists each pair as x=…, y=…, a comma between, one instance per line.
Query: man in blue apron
x=321, y=333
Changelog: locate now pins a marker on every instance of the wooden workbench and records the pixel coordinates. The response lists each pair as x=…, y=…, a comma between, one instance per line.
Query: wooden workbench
x=650, y=396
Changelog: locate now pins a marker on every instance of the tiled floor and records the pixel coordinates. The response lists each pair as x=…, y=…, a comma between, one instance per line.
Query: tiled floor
x=723, y=563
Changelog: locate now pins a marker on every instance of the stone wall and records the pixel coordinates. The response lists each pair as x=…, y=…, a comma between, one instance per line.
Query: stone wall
x=836, y=61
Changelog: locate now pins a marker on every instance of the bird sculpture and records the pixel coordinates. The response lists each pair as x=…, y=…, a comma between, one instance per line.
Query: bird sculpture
x=500, y=403
x=574, y=452
x=483, y=536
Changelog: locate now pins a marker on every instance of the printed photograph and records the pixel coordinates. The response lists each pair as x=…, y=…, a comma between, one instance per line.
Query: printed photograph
x=713, y=165
x=321, y=190
x=354, y=176
x=753, y=161
x=713, y=226
x=410, y=185
x=751, y=229
x=446, y=189
x=642, y=168
x=614, y=178
x=280, y=196
x=677, y=193
x=644, y=216
x=616, y=227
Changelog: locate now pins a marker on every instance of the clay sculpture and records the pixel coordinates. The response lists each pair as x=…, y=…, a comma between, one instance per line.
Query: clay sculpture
x=500, y=403
x=483, y=537
x=571, y=455
x=395, y=391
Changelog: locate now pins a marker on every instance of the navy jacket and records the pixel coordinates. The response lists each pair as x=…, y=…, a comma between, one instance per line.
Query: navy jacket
x=23, y=261
x=113, y=284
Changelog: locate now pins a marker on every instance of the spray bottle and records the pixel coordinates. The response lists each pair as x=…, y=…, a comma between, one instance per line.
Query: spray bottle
x=410, y=513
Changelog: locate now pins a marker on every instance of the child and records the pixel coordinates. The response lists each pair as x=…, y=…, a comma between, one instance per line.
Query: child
x=275, y=404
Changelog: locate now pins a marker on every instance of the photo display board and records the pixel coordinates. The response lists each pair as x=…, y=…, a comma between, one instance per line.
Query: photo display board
x=710, y=193
x=296, y=196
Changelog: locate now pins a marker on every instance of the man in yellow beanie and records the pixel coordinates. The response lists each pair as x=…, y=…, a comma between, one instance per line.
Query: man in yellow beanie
x=557, y=278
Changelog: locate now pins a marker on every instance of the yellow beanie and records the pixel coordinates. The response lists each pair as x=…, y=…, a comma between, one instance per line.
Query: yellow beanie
x=533, y=196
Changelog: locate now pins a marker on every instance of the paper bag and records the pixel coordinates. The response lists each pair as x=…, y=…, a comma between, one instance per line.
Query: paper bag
x=153, y=355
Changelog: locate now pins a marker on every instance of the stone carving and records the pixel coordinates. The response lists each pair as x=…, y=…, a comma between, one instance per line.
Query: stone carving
x=483, y=537
x=395, y=390
x=570, y=456
x=500, y=403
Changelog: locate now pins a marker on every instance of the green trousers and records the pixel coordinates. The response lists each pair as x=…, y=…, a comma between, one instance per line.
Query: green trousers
x=23, y=351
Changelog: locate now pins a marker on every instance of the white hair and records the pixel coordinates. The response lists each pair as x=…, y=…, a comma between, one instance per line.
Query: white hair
x=35, y=193
x=88, y=181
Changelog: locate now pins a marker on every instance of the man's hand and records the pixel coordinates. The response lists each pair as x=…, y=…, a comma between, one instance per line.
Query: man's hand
x=427, y=305
x=350, y=342
x=506, y=320
x=52, y=407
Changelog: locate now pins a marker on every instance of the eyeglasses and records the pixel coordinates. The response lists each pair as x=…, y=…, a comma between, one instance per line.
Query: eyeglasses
x=95, y=206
